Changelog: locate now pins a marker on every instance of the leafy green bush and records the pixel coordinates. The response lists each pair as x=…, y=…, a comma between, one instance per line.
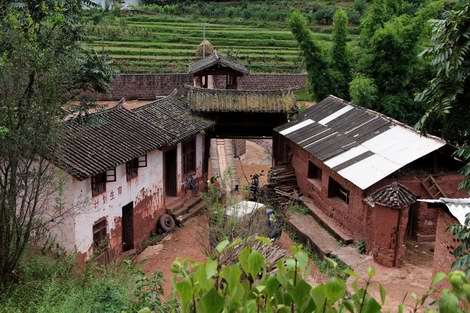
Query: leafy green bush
x=325, y=15
x=247, y=286
x=361, y=247
x=50, y=283
x=295, y=208
x=354, y=17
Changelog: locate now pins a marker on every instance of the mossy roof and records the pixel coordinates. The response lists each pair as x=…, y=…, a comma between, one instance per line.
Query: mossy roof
x=226, y=100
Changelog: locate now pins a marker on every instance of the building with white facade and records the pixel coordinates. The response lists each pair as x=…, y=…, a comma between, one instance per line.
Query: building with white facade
x=122, y=168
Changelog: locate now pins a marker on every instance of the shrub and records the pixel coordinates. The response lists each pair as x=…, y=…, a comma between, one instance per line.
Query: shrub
x=361, y=247
x=325, y=15
x=248, y=286
x=354, y=17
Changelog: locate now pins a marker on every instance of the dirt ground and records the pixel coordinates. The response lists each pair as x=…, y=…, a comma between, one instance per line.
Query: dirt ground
x=256, y=159
x=190, y=241
x=185, y=242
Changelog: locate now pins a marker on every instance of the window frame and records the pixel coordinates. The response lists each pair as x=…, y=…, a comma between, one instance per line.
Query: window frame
x=98, y=181
x=100, y=236
x=336, y=190
x=313, y=171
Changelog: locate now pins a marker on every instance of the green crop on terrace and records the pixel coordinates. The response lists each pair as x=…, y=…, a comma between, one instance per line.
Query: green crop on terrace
x=157, y=41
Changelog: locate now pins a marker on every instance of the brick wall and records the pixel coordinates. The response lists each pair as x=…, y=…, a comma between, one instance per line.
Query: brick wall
x=148, y=86
x=375, y=225
x=445, y=243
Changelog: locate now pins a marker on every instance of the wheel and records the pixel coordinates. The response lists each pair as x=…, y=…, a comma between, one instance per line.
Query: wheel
x=166, y=222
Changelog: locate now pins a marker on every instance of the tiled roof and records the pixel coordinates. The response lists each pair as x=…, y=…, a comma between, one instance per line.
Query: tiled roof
x=114, y=136
x=216, y=59
x=174, y=116
x=361, y=145
x=106, y=139
x=394, y=196
x=226, y=100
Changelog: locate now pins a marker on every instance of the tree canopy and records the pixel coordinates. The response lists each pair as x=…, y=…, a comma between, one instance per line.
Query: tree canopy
x=42, y=66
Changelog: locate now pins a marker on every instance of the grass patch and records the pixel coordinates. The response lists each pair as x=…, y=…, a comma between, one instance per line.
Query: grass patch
x=303, y=95
x=50, y=283
x=295, y=208
x=331, y=267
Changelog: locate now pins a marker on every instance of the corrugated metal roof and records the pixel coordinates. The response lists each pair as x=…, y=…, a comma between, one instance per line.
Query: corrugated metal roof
x=361, y=145
x=458, y=207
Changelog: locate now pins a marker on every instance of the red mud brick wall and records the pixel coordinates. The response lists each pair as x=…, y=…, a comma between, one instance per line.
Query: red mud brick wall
x=353, y=216
x=148, y=86
x=425, y=219
x=357, y=215
x=384, y=222
x=445, y=243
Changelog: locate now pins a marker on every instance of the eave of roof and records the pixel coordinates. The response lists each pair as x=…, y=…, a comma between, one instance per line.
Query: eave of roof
x=105, y=140
x=361, y=145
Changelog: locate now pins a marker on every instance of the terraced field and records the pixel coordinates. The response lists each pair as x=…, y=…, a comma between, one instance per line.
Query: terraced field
x=142, y=43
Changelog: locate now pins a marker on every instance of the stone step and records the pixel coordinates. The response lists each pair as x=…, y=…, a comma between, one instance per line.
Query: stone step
x=175, y=205
x=328, y=223
x=193, y=211
x=311, y=232
x=187, y=205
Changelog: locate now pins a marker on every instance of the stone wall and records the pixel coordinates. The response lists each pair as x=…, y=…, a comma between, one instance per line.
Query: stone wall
x=148, y=86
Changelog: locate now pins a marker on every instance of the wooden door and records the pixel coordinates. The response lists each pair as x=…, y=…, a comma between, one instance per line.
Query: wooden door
x=170, y=170
x=127, y=227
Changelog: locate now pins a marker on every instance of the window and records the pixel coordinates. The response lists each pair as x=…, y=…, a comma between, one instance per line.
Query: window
x=314, y=172
x=189, y=156
x=98, y=184
x=230, y=82
x=100, y=236
x=335, y=190
x=132, y=166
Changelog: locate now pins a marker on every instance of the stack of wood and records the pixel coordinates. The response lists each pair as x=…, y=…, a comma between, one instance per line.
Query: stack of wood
x=271, y=252
x=282, y=188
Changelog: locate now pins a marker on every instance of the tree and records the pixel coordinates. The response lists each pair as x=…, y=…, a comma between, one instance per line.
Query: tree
x=446, y=98
x=363, y=91
x=320, y=79
x=42, y=66
x=390, y=43
x=340, y=54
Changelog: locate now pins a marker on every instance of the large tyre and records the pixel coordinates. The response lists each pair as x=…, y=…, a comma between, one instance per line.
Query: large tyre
x=166, y=222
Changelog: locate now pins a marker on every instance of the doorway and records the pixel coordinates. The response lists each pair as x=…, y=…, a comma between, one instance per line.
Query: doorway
x=128, y=227
x=170, y=171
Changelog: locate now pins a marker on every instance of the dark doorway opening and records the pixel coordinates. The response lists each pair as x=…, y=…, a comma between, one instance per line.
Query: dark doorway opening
x=127, y=227
x=170, y=173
